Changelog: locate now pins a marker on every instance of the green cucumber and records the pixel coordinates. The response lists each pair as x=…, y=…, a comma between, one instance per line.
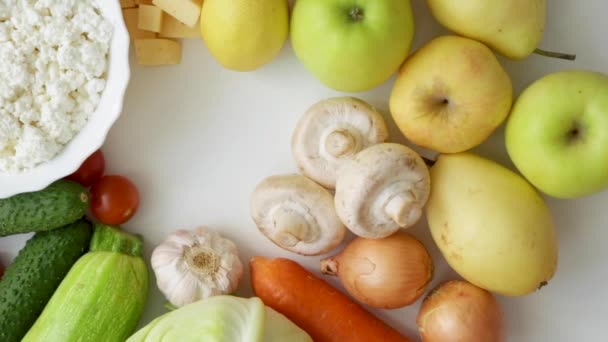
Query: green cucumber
x=59, y=204
x=103, y=296
x=35, y=274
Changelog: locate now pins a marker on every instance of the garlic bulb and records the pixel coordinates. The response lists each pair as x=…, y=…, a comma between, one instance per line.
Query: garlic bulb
x=191, y=265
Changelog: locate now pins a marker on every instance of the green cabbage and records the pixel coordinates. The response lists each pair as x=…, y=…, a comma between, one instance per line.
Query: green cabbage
x=222, y=319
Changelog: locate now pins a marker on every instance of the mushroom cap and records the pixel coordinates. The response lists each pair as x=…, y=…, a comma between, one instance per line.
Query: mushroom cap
x=382, y=190
x=297, y=214
x=331, y=132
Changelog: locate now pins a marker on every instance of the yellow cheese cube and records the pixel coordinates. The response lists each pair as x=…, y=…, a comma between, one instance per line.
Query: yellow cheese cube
x=127, y=3
x=186, y=11
x=143, y=2
x=173, y=28
x=158, y=52
x=131, y=16
x=150, y=18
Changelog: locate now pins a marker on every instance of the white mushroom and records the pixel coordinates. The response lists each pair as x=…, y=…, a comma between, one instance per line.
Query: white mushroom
x=297, y=214
x=383, y=189
x=331, y=132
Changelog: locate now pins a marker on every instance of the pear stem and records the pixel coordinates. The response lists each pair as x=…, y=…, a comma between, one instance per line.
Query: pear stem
x=552, y=54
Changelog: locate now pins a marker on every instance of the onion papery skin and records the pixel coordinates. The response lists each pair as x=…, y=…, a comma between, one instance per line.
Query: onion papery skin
x=387, y=273
x=458, y=311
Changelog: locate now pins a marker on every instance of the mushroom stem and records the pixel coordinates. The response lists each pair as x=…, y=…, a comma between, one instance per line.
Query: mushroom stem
x=403, y=209
x=291, y=227
x=339, y=143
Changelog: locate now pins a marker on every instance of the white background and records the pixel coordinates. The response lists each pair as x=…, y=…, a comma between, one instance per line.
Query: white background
x=197, y=138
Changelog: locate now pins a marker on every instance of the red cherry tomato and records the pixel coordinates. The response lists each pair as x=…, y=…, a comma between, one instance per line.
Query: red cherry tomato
x=90, y=171
x=114, y=200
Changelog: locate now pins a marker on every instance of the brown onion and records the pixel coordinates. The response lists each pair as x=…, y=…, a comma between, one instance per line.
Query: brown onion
x=386, y=273
x=460, y=311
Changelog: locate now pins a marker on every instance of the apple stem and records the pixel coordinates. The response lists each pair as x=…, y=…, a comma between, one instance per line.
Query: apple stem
x=552, y=54
x=356, y=13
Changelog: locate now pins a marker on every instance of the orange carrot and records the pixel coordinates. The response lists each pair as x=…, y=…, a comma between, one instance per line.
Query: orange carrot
x=314, y=305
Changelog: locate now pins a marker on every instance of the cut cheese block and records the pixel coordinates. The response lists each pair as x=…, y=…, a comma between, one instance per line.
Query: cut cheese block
x=128, y=3
x=150, y=18
x=131, y=16
x=173, y=28
x=158, y=52
x=186, y=11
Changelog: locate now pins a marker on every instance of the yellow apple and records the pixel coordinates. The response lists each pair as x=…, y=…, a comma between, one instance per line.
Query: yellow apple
x=243, y=35
x=450, y=95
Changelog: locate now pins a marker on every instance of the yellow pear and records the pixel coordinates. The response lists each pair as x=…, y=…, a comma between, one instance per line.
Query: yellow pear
x=491, y=225
x=243, y=35
x=514, y=28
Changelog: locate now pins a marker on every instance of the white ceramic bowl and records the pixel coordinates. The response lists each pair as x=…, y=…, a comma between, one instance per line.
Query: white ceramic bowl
x=94, y=133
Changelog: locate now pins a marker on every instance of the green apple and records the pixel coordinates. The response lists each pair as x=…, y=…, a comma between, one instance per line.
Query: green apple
x=557, y=134
x=352, y=45
x=451, y=95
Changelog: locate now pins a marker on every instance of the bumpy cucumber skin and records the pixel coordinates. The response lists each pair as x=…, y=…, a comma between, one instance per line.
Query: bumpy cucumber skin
x=35, y=274
x=101, y=299
x=60, y=204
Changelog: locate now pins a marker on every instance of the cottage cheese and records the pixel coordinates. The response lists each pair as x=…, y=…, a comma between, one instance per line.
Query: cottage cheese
x=53, y=65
